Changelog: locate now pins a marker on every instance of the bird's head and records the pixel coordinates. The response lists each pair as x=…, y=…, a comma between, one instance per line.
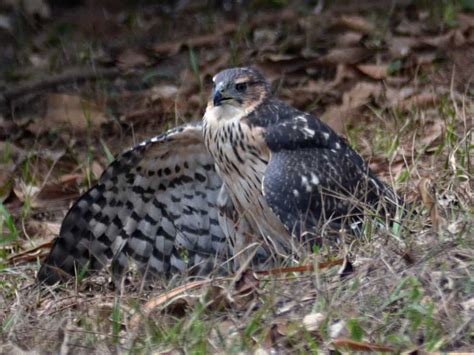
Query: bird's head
x=242, y=88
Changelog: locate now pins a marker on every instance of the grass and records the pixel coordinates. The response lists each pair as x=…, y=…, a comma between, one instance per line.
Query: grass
x=387, y=300
x=8, y=228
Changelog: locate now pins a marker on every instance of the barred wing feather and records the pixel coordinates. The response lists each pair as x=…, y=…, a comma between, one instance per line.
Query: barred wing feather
x=156, y=204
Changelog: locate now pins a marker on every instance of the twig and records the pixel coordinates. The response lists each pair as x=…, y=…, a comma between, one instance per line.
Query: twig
x=300, y=268
x=30, y=254
x=75, y=74
x=173, y=47
x=154, y=302
x=361, y=346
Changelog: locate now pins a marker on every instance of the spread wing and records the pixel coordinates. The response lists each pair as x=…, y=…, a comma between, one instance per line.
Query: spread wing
x=313, y=176
x=155, y=204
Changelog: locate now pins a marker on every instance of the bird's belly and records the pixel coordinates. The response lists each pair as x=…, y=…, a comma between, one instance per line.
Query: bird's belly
x=248, y=198
x=241, y=161
x=244, y=183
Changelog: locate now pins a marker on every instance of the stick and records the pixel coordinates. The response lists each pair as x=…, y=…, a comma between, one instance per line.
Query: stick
x=76, y=74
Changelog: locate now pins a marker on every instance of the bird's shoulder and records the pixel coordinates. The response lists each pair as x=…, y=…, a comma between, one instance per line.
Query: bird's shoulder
x=286, y=127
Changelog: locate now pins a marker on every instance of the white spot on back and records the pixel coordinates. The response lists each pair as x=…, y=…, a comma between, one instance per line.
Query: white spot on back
x=314, y=179
x=306, y=184
x=308, y=133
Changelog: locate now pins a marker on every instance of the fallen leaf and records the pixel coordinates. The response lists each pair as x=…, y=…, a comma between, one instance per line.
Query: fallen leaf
x=142, y=115
x=69, y=112
x=261, y=351
x=9, y=152
x=396, y=168
x=30, y=254
x=451, y=39
x=67, y=179
x=170, y=48
x=26, y=192
x=313, y=321
x=179, y=307
x=39, y=62
x=132, y=57
x=465, y=20
x=426, y=194
x=6, y=181
x=468, y=305
x=217, y=298
x=38, y=8
x=361, y=345
x=97, y=169
x=402, y=46
x=264, y=38
x=348, y=39
x=395, y=95
x=215, y=65
x=406, y=27
x=432, y=135
x=361, y=94
x=155, y=302
x=426, y=57
x=49, y=196
x=163, y=92
x=375, y=71
x=337, y=328
x=10, y=157
x=42, y=229
x=355, y=23
x=277, y=336
x=167, y=48
x=418, y=101
x=348, y=55
x=338, y=116
x=300, y=268
x=246, y=283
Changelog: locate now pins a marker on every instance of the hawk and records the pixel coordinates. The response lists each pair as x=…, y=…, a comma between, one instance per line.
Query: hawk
x=254, y=170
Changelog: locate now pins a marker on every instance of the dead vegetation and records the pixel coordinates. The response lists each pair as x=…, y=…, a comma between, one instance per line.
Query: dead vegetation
x=79, y=84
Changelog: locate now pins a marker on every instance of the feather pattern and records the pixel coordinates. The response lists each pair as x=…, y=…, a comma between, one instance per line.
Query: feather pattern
x=309, y=175
x=156, y=204
x=313, y=175
x=256, y=170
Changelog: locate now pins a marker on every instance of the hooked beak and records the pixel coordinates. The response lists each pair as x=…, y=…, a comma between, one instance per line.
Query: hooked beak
x=217, y=98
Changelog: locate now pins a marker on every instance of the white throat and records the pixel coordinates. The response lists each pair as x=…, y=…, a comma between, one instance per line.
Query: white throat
x=223, y=114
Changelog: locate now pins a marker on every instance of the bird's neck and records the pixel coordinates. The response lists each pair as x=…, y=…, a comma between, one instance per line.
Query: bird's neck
x=229, y=137
x=218, y=116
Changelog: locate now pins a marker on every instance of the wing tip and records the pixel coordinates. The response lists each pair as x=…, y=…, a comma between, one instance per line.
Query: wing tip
x=49, y=274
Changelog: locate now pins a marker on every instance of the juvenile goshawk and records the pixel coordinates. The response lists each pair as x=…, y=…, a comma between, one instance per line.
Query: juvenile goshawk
x=255, y=170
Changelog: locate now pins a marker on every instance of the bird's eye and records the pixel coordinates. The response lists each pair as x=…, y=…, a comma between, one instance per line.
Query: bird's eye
x=241, y=87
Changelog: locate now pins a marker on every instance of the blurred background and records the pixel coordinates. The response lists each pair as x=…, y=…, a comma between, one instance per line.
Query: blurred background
x=80, y=80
